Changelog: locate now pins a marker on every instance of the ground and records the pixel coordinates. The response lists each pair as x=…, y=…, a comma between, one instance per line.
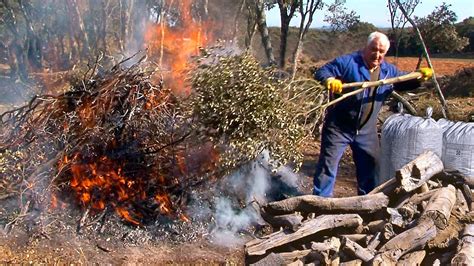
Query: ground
x=19, y=246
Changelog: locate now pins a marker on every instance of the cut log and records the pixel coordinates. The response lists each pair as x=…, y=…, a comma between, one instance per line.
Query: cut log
x=388, y=187
x=417, y=198
x=322, y=205
x=326, y=250
x=271, y=259
x=382, y=226
x=291, y=221
x=395, y=218
x=455, y=177
x=333, y=244
x=414, y=174
x=308, y=228
x=468, y=195
x=461, y=203
x=289, y=257
x=364, y=238
x=465, y=253
x=413, y=258
x=356, y=250
x=411, y=239
x=295, y=263
x=408, y=211
x=440, y=206
x=374, y=242
x=352, y=263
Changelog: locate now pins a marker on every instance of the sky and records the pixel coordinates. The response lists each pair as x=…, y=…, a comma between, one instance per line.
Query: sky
x=376, y=11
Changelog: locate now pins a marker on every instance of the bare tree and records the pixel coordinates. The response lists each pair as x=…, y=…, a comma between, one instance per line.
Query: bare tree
x=339, y=18
x=398, y=21
x=262, y=27
x=287, y=12
x=307, y=11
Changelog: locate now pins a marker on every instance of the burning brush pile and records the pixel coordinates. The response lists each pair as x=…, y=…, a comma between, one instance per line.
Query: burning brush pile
x=423, y=216
x=120, y=145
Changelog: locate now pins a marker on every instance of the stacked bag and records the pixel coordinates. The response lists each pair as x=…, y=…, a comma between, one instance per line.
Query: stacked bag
x=458, y=147
x=404, y=137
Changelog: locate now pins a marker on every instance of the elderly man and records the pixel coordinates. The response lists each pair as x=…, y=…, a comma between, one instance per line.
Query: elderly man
x=352, y=122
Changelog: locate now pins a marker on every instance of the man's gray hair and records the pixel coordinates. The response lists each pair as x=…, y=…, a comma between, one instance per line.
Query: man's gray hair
x=378, y=35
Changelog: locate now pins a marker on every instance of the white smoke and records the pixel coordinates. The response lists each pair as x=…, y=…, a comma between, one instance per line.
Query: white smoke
x=248, y=185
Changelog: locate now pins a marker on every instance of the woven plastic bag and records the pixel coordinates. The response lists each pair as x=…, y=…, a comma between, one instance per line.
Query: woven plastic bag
x=458, y=147
x=404, y=137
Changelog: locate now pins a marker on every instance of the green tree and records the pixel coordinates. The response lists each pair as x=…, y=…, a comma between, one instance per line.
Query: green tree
x=439, y=31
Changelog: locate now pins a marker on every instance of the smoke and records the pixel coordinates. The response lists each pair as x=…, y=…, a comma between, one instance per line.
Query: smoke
x=234, y=209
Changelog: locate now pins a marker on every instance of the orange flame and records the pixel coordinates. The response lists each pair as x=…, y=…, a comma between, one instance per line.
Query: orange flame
x=164, y=203
x=126, y=215
x=175, y=44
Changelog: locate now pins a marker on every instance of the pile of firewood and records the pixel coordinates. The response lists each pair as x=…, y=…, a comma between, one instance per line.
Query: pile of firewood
x=422, y=215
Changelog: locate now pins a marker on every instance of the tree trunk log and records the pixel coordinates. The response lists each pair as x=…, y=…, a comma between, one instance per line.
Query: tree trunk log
x=455, y=177
x=388, y=187
x=321, y=205
x=356, y=250
x=413, y=258
x=440, y=206
x=405, y=242
x=308, y=228
x=414, y=174
x=351, y=263
x=324, y=251
x=290, y=257
x=465, y=254
x=417, y=198
x=333, y=244
x=291, y=221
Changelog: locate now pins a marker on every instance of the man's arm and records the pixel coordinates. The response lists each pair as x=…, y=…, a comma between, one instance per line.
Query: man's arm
x=332, y=69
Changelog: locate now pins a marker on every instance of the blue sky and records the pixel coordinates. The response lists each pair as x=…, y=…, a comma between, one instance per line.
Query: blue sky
x=376, y=11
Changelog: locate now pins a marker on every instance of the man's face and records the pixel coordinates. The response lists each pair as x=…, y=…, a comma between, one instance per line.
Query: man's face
x=374, y=53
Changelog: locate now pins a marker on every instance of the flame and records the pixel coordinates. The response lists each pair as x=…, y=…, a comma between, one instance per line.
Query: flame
x=97, y=181
x=174, y=43
x=164, y=203
x=184, y=218
x=126, y=215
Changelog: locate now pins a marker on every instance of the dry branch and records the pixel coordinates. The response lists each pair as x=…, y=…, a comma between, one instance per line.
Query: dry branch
x=320, y=205
x=414, y=174
x=357, y=250
x=405, y=242
x=413, y=258
x=465, y=253
x=440, y=206
x=308, y=228
x=291, y=221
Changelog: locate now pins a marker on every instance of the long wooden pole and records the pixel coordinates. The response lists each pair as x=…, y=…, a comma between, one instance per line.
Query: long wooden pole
x=365, y=84
x=444, y=105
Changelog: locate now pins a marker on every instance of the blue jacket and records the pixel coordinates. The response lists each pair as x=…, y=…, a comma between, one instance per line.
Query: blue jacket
x=351, y=68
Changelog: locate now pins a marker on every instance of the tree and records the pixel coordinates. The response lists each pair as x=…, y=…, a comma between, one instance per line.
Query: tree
x=306, y=11
x=466, y=29
x=398, y=21
x=439, y=31
x=339, y=18
x=288, y=9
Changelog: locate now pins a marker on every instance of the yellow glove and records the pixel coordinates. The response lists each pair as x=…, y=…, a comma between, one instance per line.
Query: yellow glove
x=426, y=73
x=334, y=85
